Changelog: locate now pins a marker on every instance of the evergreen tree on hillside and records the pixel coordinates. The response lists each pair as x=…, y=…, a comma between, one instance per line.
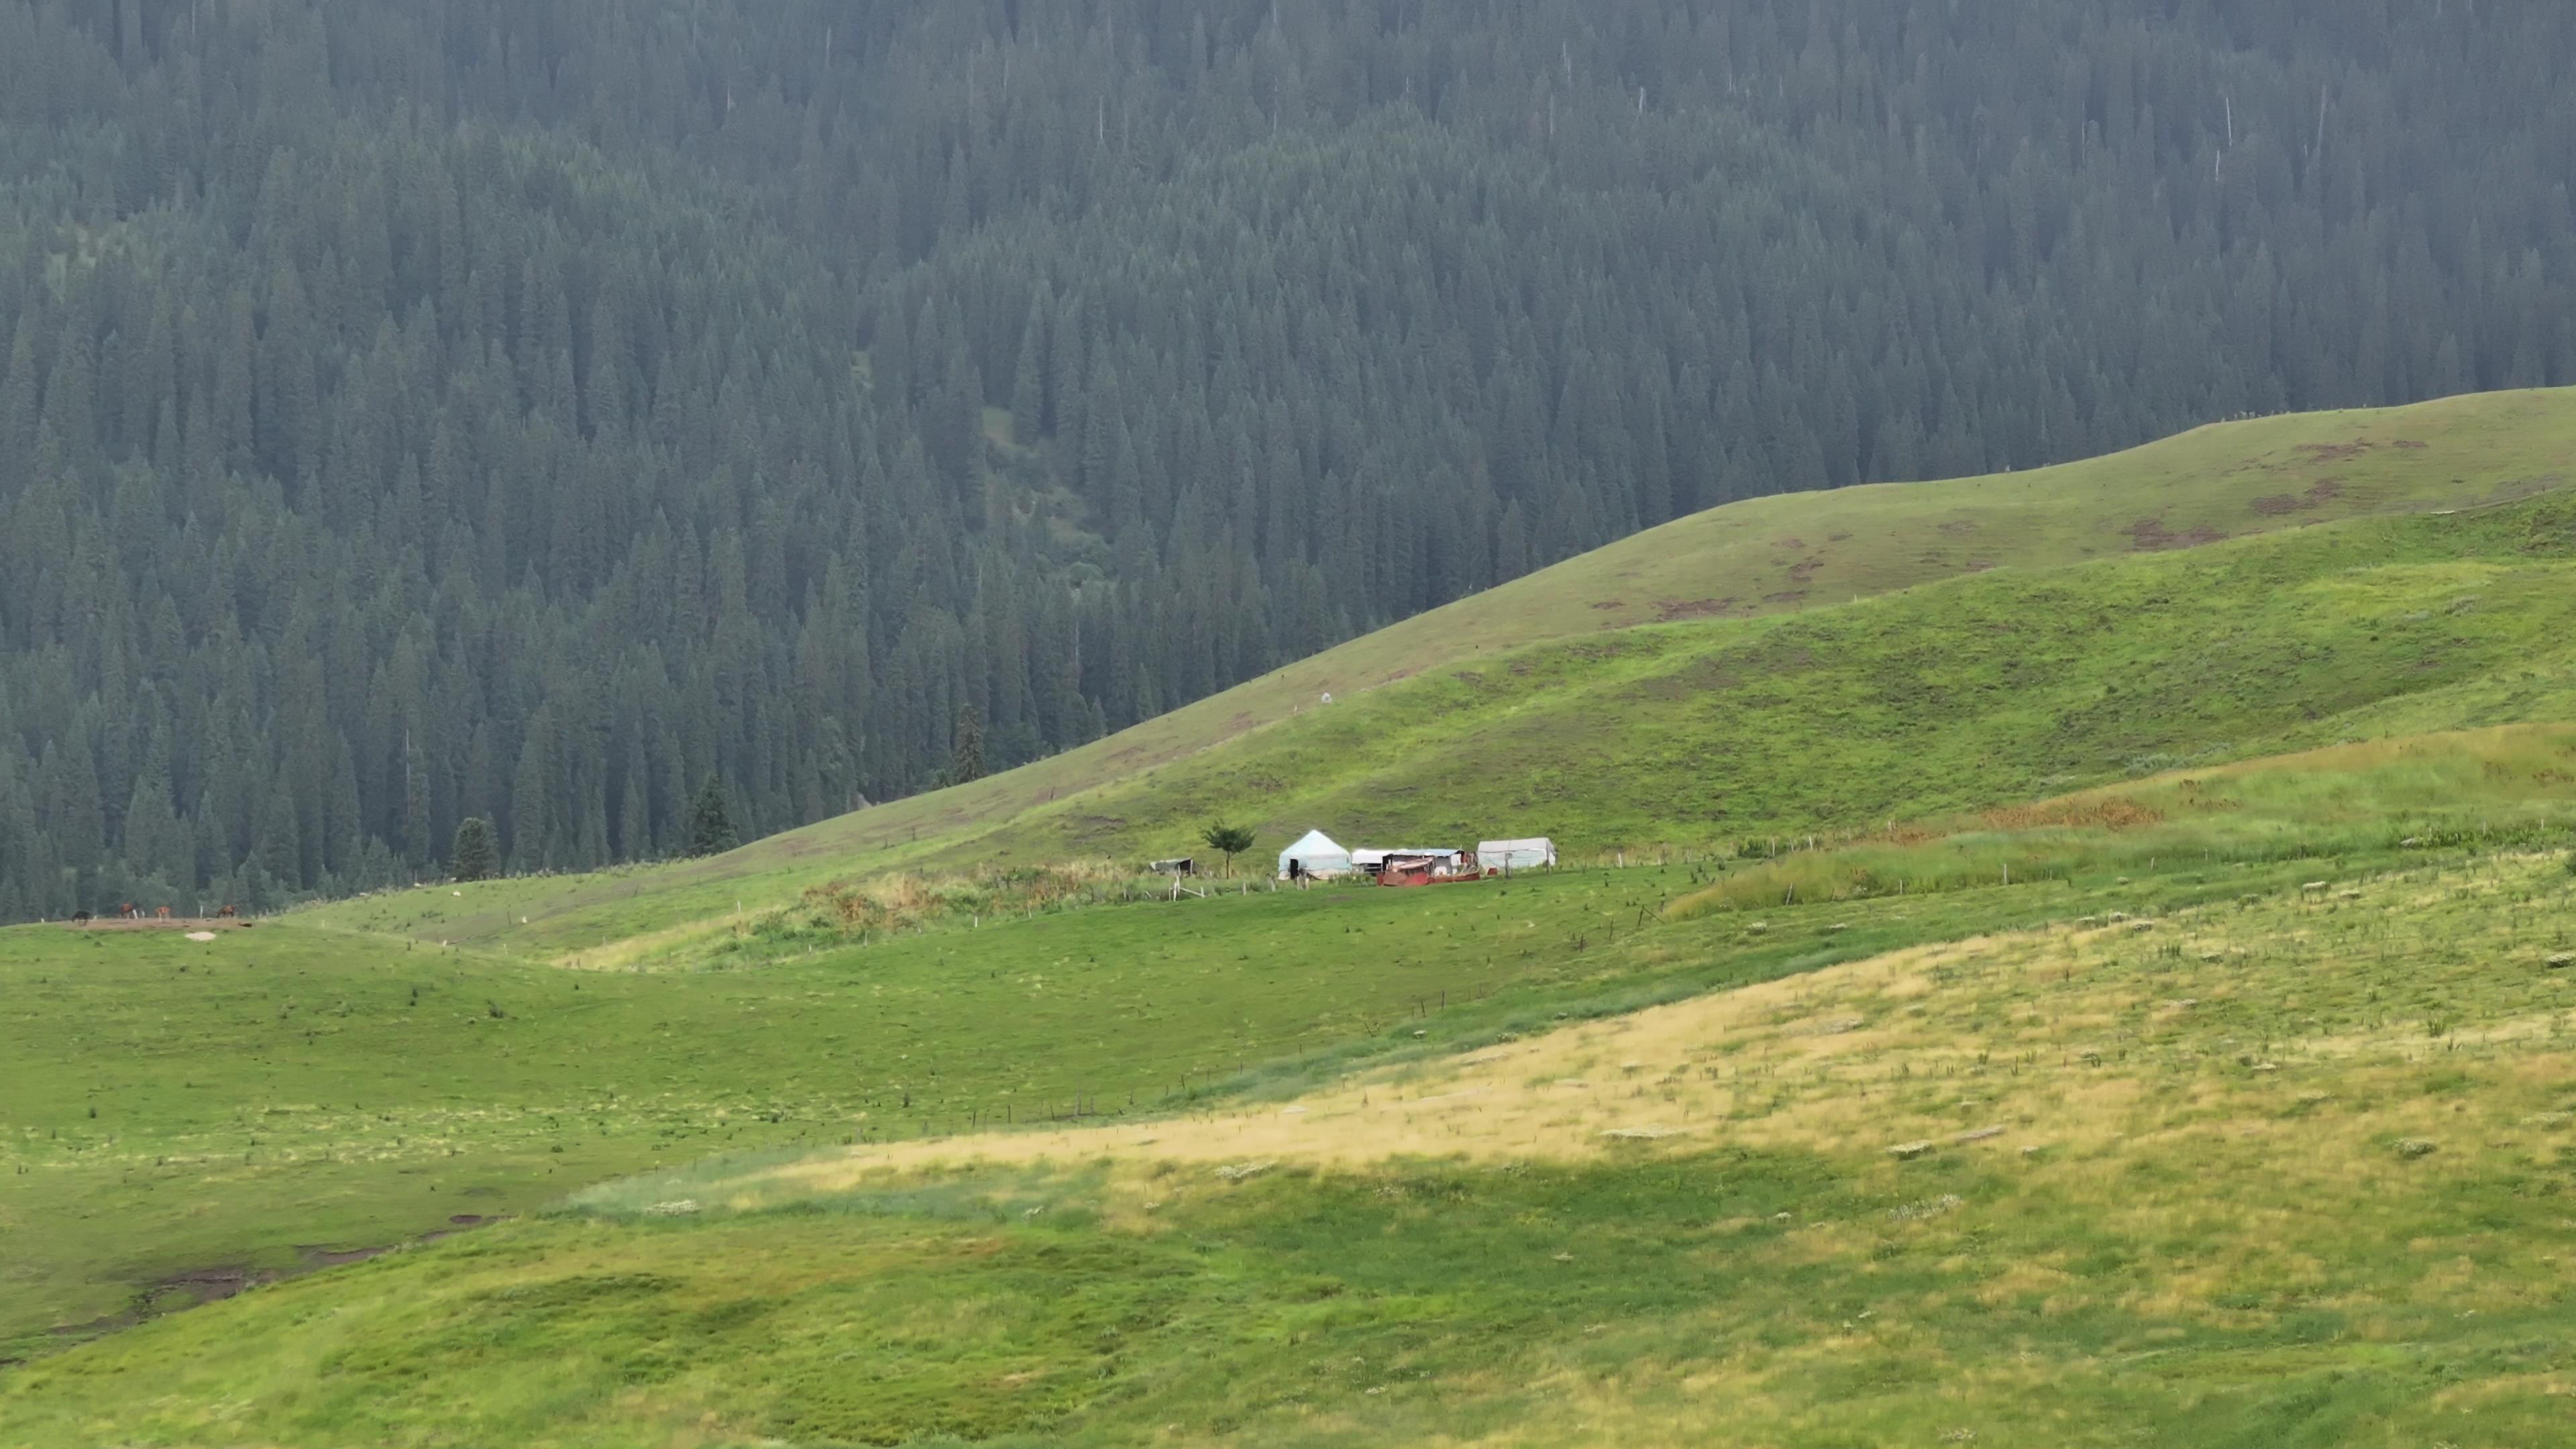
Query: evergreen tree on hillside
x=966, y=751
x=474, y=856
x=711, y=829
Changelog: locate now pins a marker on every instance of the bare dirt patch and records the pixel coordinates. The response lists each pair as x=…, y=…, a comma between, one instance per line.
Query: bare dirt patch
x=2319, y=494
x=338, y=1257
x=197, y=1287
x=2149, y=535
x=1672, y=611
x=203, y=1285
x=2115, y=812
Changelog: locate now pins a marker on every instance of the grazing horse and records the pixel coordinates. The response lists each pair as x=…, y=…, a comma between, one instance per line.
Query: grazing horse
x=80, y=918
x=128, y=911
x=162, y=914
x=227, y=913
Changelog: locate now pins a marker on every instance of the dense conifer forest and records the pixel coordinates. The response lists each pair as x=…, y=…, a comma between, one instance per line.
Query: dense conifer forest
x=415, y=411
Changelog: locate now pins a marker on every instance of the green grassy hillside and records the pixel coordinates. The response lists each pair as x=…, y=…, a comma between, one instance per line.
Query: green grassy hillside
x=250, y=1105
x=2235, y=1163
x=193, y=1114
x=1977, y=690
x=2231, y=883
x=1732, y=566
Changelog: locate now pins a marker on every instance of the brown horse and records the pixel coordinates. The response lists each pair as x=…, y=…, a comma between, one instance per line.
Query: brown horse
x=162, y=914
x=128, y=911
x=227, y=913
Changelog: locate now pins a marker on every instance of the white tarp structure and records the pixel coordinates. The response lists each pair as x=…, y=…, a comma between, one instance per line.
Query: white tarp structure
x=1516, y=854
x=1318, y=854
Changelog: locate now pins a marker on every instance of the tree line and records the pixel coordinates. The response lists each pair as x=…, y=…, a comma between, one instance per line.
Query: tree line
x=528, y=410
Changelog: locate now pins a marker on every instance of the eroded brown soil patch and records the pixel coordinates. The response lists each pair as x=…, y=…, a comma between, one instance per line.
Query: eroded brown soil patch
x=2149, y=535
x=2113, y=812
x=1672, y=611
x=196, y=1287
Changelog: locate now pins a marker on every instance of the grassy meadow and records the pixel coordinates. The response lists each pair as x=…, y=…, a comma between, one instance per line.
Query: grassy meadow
x=183, y=1115
x=2062, y=988
x=197, y=1115
x=2280, y=1167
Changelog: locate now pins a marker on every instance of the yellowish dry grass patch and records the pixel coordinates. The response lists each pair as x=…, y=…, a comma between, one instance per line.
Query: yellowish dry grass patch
x=2251, y=1043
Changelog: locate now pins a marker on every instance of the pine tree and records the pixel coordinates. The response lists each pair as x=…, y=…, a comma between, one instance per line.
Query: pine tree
x=1028, y=380
x=711, y=830
x=475, y=857
x=966, y=751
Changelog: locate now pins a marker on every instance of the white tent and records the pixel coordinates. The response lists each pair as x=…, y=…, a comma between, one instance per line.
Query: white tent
x=1516, y=854
x=1317, y=852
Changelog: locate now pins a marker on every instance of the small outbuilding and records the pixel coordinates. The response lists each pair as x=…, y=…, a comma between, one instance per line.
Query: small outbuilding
x=1316, y=854
x=1439, y=855
x=1534, y=854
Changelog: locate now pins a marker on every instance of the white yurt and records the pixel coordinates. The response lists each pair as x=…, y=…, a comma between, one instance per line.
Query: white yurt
x=1318, y=854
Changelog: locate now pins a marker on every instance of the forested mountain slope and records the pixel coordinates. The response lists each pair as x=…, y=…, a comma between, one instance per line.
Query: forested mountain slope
x=534, y=407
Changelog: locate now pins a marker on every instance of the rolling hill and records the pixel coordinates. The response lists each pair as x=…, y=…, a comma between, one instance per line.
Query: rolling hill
x=1619, y=720
x=2161, y=1042
x=2243, y=1144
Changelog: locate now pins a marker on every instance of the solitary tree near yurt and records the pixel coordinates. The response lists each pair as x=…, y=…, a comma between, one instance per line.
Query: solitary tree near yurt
x=1231, y=840
x=474, y=857
x=711, y=829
